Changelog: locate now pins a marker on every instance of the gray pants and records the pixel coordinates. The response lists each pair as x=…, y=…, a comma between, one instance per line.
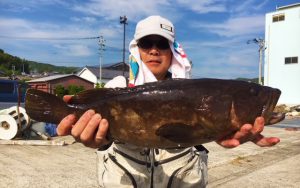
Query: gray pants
x=126, y=166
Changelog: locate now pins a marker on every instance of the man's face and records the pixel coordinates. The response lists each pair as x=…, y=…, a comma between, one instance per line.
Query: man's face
x=155, y=52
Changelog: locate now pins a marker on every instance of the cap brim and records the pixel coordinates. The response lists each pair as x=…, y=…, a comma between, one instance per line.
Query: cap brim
x=153, y=32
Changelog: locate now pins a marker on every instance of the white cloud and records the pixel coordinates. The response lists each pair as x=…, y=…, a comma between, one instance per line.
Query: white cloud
x=213, y=43
x=23, y=28
x=44, y=34
x=29, y=5
x=75, y=50
x=86, y=19
x=227, y=66
x=235, y=26
x=218, y=49
x=225, y=58
x=223, y=72
x=203, y=6
x=113, y=9
x=247, y=7
x=244, y=6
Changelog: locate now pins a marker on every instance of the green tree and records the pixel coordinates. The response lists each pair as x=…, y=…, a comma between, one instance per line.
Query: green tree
x=7, y=61
x=99, y=85
x=73, y=89
x=60, y=91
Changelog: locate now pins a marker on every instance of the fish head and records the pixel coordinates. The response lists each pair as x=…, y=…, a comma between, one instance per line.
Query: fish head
x=271, y=97
x=257, y=100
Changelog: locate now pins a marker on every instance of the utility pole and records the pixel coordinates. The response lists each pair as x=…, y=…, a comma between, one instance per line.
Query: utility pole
x=13, y=68
x=123, y=20
x=23, y=72
x=261, y=45
x=101, y=49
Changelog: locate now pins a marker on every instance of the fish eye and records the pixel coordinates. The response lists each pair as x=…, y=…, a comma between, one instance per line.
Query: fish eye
x=254, y=91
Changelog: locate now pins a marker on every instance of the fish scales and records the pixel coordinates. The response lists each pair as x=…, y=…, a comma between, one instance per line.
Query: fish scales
x=166, y=114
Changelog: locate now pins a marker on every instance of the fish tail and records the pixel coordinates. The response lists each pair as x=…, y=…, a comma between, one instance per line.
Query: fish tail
x=45, y=107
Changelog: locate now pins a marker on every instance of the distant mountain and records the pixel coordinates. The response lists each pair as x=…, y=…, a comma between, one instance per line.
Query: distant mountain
x=253, y=80
x=7, y=62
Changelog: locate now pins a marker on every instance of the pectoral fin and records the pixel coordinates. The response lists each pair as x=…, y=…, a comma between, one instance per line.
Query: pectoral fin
x=176, y=132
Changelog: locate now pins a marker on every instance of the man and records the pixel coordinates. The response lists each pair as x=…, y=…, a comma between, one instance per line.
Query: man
x=154, y=52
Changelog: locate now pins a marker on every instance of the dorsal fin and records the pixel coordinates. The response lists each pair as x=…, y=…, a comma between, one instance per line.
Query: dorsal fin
x=93, y=95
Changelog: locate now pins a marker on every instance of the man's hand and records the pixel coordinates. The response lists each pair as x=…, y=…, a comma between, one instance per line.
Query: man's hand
x=90, y=129
x=249, y=132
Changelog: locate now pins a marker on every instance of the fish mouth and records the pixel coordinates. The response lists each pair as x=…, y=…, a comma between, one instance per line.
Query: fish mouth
x=267, y=113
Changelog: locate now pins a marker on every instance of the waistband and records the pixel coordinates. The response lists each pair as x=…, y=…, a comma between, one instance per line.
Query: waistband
x=148, y=163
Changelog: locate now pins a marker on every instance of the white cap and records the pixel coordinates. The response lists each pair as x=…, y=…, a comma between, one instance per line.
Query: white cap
x=155, y=25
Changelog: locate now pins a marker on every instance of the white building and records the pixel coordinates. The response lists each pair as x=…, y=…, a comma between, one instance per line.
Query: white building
x=108, y=72
x=282, y=67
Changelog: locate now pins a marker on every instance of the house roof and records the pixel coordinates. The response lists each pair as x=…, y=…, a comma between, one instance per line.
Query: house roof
x=54, y=77
x=116, y=66
x=288, y=6
x=106, y=73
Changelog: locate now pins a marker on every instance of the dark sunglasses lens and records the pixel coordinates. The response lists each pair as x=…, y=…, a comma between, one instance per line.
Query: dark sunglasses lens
x=163, y=44
x=147, y=44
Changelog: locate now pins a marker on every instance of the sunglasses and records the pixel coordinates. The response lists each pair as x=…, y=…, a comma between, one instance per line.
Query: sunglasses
x=146, y=43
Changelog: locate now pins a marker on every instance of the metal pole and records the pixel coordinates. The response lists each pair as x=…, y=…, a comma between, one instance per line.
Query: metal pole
x=124, y=47
x=261, y=44
x=260, y=68
x=100, y=71
x=101, y=49
x=13, y=72
x=123, y=20
x=261, y=49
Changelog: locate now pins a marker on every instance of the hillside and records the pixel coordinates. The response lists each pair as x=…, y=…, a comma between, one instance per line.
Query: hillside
x=253, y=80
x=7, y=62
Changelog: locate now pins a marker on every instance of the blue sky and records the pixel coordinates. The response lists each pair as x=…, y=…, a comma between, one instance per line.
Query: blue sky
x=214, y=33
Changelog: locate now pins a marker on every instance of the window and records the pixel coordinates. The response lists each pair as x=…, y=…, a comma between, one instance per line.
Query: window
x=290, y=60
x=6, y=87
x=278, y=17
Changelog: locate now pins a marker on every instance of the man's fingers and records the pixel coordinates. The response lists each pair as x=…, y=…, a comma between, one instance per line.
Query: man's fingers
x=65, y=126
x=262, y=141
x=244, y=132
x=102, y=132
x=89, y=132
x=229, y=143
x=81, y=123
x=237, y=138
x=67, y=98
x=258, y=126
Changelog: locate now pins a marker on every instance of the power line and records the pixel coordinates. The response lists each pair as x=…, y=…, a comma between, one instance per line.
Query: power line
x=50, y=38
x=111, y=48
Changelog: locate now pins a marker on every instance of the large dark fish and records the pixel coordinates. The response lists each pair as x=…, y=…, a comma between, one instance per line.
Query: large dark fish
x=166, y=114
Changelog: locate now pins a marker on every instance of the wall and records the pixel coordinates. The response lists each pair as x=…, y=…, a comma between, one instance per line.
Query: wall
x=70, y=80
x=283, y=40
x=49, y=86
x=88, y=75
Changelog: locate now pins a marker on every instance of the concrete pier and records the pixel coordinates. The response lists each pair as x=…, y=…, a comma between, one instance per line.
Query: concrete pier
x=74, y=165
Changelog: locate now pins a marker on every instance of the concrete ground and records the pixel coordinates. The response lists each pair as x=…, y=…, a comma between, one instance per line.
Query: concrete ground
x=75, y=165
x=253, y=166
